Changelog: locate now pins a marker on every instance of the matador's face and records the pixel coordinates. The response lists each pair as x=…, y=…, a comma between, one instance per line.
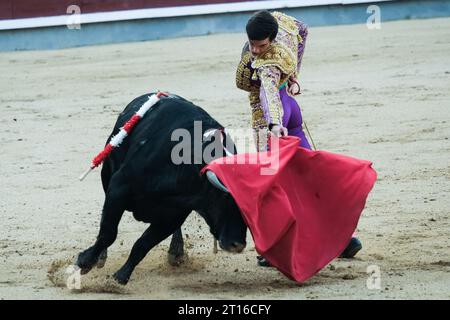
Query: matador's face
x=258, y=47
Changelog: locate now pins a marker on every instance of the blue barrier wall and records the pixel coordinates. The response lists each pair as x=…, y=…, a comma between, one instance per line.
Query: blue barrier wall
x=162, y=28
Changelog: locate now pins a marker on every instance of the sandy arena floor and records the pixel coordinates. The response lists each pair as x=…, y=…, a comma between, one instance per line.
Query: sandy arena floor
x=381, y=95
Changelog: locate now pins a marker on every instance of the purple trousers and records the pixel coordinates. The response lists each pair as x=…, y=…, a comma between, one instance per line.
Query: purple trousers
x=292, y=118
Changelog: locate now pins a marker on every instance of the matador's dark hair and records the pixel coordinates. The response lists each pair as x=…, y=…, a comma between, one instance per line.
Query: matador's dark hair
x=262, y=25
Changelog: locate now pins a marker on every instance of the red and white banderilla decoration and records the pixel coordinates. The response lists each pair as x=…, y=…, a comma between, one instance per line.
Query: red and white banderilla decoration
x=124, y=132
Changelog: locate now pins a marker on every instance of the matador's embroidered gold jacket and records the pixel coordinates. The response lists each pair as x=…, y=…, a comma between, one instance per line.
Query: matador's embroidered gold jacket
x=263, y=75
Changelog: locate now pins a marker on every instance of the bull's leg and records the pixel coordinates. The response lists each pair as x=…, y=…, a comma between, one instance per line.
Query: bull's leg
x=176, y=249
x=151, y=237
x=113, y=209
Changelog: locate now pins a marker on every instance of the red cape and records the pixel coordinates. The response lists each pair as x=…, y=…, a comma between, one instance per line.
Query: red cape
x=302, y=215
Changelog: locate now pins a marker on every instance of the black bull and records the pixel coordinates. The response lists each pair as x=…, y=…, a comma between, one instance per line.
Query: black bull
x=139, y=176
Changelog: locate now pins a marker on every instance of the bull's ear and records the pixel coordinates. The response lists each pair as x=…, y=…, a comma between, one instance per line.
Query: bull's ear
x=215, y=181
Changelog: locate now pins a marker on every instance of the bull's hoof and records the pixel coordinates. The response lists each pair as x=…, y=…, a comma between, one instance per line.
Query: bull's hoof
x=85, y=261
x=102, y=259
x=121, y=277
x=176, y=260
x=84, y=271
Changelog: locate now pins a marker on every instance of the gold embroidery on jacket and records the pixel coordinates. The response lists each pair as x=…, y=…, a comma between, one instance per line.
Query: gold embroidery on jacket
x=278, y=56
x=245, y=73
x=288, y=24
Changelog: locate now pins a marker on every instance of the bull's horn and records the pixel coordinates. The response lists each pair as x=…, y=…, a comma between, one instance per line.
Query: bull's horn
x=215, y=181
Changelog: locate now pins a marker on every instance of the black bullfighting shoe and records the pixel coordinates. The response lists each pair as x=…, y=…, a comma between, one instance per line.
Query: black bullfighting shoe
x=263, y=262
x=352, y=249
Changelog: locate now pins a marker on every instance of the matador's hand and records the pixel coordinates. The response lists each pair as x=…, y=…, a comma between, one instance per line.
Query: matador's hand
x=278, y=130
x=293, y=86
